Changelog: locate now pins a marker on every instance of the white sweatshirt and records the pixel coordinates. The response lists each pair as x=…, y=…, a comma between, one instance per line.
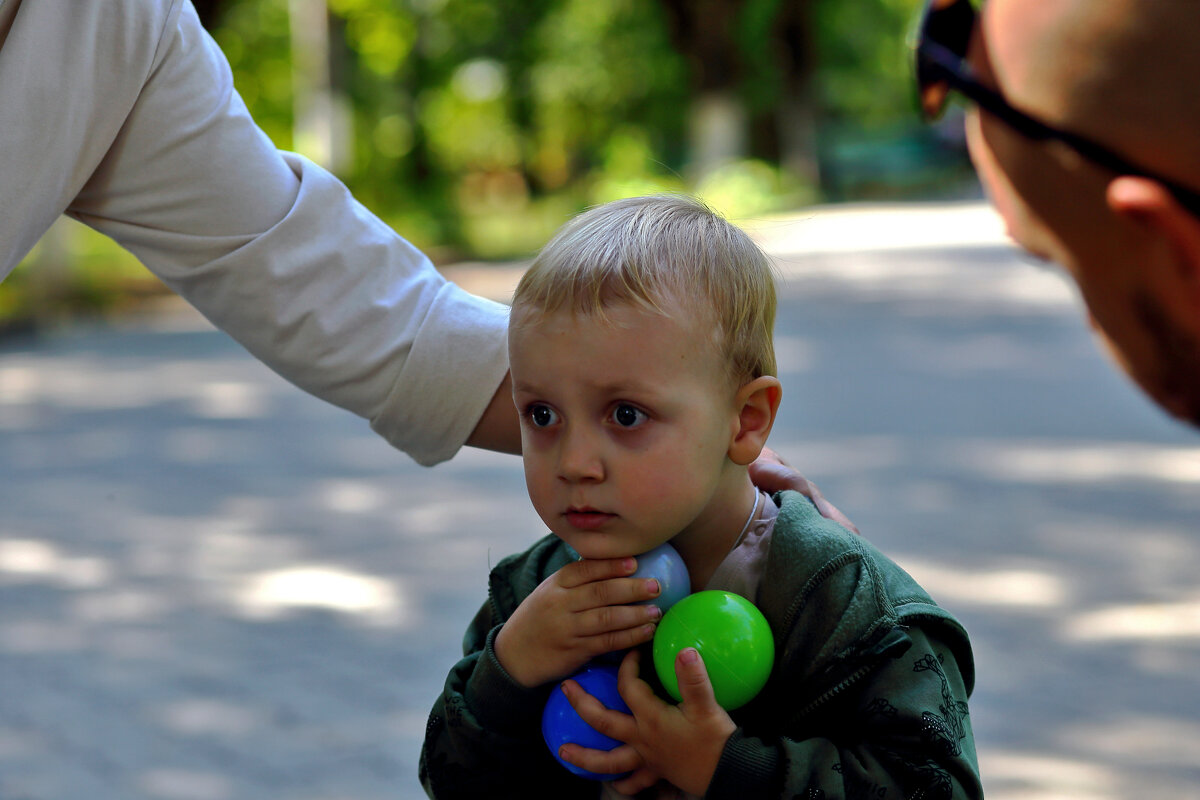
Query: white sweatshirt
x=122, y=114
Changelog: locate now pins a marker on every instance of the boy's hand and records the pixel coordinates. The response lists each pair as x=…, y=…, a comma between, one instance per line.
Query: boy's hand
x=580, y=612
x=680, y=743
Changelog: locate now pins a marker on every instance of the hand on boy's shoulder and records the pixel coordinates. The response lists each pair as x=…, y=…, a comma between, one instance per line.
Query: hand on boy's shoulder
x=772, y=474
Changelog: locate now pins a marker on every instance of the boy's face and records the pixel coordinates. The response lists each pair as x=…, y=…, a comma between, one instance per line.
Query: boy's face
x=626, y=423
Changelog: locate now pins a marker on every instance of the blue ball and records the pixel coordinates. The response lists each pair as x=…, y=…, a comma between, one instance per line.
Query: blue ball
x=561, y=724
x=666, y=565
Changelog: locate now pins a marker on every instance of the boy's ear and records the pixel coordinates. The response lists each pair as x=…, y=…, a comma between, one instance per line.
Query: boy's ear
x=756, y=404
x=1151, y=205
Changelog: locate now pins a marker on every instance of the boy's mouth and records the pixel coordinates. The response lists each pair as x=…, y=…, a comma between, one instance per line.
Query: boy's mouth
x=587, y=519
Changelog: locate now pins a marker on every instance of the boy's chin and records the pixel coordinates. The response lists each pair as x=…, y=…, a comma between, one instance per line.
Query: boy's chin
x=606, y=549
x=593, y=552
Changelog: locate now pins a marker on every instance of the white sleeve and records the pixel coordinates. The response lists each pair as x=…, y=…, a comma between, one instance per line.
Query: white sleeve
x=274, y=250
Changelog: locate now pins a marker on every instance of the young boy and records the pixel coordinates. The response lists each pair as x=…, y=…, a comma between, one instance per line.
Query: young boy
x=640, y=344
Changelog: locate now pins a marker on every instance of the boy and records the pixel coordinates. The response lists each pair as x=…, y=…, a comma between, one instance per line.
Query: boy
x=640, y=345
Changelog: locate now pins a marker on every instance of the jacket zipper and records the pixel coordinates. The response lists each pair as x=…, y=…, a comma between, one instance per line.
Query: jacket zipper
x=886, y=649
x=841, y=686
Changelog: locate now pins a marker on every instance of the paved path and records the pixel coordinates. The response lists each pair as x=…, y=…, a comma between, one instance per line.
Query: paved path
x=217, y=588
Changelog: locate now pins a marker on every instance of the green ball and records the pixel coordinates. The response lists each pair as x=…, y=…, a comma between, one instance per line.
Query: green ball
x=733, y=638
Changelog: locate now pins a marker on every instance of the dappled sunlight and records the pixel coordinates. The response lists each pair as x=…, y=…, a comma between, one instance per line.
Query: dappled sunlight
x=846, y=455
x=22, y=417
x=180, y=784
x=1140, y=741
x=18, y=383
x=436, y=515
x=212, y=586
x=1008, y=588
x=28, y=557
x=1013, y=775
x=230, y=400
x=841, y=229
x=41, y=636
x=126, y=605
x=973, y=353
x=35, y=560
x=794, y=354
x=74, y=382
x=211, y=717
x=272, y=594
x=953, y=254
x=956, y=287
x=1138, y=622
x=85, y=382
x=233, y=544
x=1084, y=462
x=350, y=497
x=201, y=445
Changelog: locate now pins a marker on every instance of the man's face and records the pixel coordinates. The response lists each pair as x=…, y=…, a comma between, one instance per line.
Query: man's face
x=1053, y=204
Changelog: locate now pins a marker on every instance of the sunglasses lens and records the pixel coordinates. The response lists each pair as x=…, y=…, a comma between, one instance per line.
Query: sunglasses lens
x=948, y=25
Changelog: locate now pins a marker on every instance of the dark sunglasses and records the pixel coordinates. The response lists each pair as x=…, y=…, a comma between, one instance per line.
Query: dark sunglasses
x=941, y=51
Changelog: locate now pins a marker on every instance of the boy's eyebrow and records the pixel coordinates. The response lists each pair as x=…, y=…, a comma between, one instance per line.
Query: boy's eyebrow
x=615, y=388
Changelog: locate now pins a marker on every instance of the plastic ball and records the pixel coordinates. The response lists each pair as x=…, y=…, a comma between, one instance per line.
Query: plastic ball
x=664, y=564
x=733, y=639
x=561, y=723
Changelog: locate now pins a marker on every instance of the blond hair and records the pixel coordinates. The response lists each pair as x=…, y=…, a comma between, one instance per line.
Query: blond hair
x=663, y=253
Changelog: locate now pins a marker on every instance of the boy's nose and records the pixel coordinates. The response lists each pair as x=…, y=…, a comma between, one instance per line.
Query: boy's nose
x=579, y=459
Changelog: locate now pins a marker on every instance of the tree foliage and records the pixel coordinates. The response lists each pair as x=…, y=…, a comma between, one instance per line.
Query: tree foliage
x=476, y=127
x=465, y=113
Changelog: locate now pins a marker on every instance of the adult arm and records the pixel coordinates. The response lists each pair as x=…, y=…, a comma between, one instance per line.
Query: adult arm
x=499, y=428
x=124, y=115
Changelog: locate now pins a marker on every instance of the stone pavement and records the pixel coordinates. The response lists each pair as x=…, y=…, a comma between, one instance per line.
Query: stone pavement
x=214, y=587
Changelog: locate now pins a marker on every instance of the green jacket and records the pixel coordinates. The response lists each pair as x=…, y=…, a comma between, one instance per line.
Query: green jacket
x=867, y=697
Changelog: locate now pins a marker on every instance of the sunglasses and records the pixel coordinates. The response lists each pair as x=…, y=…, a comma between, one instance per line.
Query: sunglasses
x=941, y=67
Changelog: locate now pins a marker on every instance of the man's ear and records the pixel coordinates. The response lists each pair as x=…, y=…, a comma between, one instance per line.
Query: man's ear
x=756, y=403
x=1148, y=204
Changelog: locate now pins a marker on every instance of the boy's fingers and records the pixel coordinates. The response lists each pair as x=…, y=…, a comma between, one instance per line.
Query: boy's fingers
x=622, y=591
x=634, y=691
x=617, y=641
x=613, y=724
x=631, y=667
x=588, y=570
x=607, y=582
x=616, y=618
x=695, y=689
x=617, y=761
x=640, y=780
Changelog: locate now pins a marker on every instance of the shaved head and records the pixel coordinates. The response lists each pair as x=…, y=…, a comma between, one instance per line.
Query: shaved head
x=1121, y=71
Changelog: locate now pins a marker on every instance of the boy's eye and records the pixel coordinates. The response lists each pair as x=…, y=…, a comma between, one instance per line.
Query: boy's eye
x=628, y=416
x=542, y=416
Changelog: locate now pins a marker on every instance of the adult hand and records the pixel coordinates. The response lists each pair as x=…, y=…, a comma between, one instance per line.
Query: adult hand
x=772, y=474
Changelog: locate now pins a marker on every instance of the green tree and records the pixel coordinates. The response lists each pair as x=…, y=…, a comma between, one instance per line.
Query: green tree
x=460, y=114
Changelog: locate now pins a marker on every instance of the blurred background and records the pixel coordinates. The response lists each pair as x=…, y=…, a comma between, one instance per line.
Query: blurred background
x=476, y=127
x=215, y=587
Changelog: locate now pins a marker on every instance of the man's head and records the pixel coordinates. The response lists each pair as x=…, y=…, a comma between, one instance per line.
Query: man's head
x=1120, y=74
x=641, y=353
